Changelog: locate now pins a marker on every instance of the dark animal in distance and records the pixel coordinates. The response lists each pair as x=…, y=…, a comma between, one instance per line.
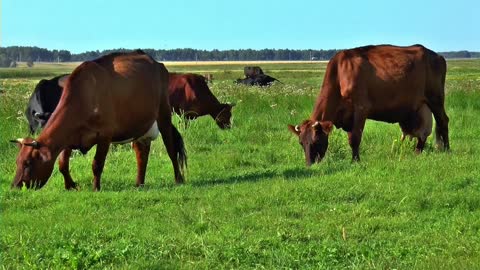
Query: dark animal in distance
x=120, y=97
x=384, y=83
x=43, y=101
x=254, y=76
x=252, y=71
x=190, y=96
x=259, y=80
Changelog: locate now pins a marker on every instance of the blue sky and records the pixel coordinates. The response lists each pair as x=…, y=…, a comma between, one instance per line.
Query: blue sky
x=84, y=25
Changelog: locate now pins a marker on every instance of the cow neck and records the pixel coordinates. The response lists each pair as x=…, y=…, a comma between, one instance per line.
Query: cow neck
x=60, y=131
x=218, y=110
x=326, y=105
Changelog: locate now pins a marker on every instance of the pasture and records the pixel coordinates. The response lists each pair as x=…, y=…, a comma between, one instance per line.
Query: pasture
x=249, y=201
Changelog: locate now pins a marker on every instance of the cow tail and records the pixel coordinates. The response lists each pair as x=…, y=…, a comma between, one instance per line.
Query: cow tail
x=180, y=149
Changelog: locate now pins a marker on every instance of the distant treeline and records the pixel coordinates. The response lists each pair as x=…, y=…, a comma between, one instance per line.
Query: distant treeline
x=35, y=54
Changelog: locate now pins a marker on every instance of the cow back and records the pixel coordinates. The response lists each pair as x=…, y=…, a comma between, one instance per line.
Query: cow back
x=117, y=96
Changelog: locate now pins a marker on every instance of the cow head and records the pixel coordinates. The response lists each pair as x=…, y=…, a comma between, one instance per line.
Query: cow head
x=313, y=137
x=34, y=164
x=223, y=118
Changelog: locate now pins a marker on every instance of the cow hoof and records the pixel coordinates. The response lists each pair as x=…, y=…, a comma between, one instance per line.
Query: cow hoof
x=179, y=182
x=72, y=186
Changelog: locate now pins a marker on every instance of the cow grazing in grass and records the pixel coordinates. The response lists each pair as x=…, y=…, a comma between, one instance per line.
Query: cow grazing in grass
x=43, y=102
x=190, y=96
x=120, y=97
x=384, y=83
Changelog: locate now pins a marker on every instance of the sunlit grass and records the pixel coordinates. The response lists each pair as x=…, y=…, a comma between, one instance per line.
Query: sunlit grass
x=249, y=201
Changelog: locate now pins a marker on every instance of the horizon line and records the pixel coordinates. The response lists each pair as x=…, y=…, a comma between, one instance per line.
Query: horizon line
x=179, y=48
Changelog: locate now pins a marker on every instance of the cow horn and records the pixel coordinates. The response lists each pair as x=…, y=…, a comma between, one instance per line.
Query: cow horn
x=33, y=144
x=19, y=140
x=297, y=128
x=315, y=124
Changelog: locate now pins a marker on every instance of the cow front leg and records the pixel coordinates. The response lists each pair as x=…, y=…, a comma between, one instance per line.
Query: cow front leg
x=98, y=163
x=355, y=136
x=142, y=149
x=64, y=168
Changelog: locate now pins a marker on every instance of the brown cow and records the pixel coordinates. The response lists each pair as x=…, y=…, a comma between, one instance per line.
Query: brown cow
x=120, y=97
x=190, y=96
x=384, y=83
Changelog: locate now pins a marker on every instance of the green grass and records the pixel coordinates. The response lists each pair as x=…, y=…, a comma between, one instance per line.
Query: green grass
x=249, y=201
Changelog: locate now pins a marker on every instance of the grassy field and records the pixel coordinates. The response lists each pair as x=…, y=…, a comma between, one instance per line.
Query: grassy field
x=249, y=201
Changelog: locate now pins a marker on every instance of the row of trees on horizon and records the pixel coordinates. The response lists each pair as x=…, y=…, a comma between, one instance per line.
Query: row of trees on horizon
x=28, y=54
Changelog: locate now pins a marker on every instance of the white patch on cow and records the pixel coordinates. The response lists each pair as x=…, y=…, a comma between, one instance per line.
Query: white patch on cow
x=151, y=135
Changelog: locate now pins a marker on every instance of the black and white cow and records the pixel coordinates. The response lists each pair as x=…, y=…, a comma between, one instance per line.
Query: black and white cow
x=43, y=101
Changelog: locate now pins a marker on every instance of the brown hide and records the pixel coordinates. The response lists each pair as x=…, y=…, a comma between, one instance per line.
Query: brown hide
x=385, y=83
x=113, y=98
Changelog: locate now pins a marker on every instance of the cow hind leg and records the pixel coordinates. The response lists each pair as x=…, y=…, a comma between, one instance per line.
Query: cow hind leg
x=142, y=149
x=64, y=168
x=441, y=119
x=174, y=143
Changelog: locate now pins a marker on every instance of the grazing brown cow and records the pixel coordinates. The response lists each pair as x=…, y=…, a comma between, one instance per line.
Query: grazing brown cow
x=384, y=83
x=120, y=97
x=190, y=96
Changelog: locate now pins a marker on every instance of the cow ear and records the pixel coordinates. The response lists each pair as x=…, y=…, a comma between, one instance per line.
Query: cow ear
x=294, y=129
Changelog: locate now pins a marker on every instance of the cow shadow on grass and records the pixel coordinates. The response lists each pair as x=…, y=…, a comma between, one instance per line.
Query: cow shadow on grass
x=291, y=174
x=234, y=179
